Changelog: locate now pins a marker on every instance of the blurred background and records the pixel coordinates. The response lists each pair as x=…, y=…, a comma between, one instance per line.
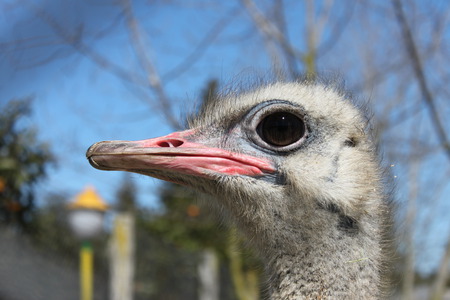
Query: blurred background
x=73, y=73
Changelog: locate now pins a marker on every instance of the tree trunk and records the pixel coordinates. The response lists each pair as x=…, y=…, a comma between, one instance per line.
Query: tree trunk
x=438, y=288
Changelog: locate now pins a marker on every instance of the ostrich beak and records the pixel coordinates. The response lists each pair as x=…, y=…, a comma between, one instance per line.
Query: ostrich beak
x=174, y=153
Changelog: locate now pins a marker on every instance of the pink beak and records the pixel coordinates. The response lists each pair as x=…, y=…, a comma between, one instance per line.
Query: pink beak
x=175, y=153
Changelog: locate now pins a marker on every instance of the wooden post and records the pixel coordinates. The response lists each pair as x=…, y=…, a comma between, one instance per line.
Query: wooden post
x=122, y=257
x=86, y=278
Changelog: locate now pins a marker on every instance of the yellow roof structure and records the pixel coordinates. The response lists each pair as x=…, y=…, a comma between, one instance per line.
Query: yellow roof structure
x=88, y=199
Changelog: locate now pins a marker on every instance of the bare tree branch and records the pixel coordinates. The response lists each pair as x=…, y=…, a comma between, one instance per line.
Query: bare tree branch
x=270, y=32
x=203, y=45
x=75, y=40
x=141, y=49
x=337, y=31
x=280, y=20
x=410, y=253
x=316, y=23
x=275, y=35
x=416, y=61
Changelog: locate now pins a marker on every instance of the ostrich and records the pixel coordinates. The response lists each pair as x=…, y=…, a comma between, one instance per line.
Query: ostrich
x=294, y=166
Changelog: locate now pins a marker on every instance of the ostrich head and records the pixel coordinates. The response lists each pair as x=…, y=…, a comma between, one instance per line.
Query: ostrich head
x=293, y=165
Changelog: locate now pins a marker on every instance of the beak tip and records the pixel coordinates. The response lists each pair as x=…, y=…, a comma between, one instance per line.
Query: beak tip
x=89, y=155
x=89, y=151
x=93, y=163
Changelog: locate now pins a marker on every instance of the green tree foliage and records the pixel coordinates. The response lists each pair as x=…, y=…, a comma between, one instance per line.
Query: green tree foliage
x=185, y=222
x=51, y=231
x=23, y=163
x=163, y=269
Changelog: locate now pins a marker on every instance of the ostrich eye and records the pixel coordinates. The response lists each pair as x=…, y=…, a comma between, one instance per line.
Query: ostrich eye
x=281, y=129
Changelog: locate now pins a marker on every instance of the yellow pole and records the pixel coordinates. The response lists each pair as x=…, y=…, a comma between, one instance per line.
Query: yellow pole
x=86, y=279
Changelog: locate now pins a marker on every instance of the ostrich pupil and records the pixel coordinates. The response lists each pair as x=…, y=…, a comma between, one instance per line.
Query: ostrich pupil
x=281, y=129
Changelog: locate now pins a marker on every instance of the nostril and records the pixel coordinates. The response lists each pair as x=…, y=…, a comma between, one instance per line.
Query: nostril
x=176, y=143
x=163, y=144
x=170, y=143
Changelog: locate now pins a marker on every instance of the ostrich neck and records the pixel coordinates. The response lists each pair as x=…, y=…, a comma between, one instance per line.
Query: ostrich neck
x=316, y=252
x=320, y=270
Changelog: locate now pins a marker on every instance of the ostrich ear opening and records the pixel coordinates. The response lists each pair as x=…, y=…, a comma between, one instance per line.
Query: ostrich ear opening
x=350, y=142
